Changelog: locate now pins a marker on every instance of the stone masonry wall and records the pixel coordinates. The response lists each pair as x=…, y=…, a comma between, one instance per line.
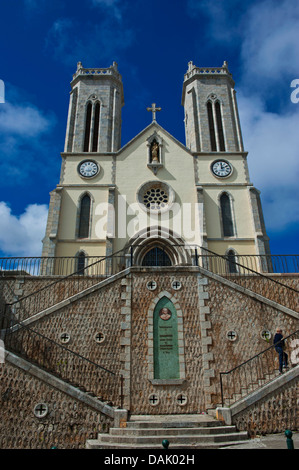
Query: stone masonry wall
x=121, y=312
x=248, y=318
x=141, y=387
x=83, y=320
x=68, y=424
x=275, y=413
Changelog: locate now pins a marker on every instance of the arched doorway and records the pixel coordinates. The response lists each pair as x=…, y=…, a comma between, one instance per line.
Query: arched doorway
x=156, y=256
x=156, y=246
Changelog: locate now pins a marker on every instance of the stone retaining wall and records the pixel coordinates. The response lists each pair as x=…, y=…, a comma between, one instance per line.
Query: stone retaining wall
x=67, y=425
x=122, y=311
x=274, y=413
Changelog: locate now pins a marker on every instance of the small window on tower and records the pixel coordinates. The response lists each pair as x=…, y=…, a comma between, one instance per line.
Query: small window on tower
x=226, y=213
x=96, y=128
x=211, y=127
x=219, y=126
x=84, y=217
x=87, y=127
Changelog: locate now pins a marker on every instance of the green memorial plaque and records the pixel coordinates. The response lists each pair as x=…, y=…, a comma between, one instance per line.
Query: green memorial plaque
x=166, y=351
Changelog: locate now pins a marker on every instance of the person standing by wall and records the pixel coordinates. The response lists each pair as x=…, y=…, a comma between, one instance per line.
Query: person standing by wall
x=279, y=344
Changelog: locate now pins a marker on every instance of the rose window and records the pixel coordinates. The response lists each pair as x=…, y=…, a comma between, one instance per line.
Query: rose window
x=155, y=199
x=156, y=196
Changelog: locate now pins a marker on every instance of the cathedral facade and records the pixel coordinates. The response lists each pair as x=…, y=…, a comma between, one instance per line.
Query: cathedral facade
x=176, y=320
x=155, y=193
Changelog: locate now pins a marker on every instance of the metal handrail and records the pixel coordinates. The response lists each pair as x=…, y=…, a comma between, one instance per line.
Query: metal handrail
x=55, y=295
x=65, y=363
x=65, y=278
x=10, y=336
x=248, y=361
x=272, y=289
x=226, y=258
x=288, y=264
x=20, y=324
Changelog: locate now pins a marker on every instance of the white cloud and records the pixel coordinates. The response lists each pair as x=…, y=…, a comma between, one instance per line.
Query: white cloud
x=23, y=119
x=270, y=41
x=24, y=130
x=262, y=36
x=22, y=235
x=264, y=32
x=272, y=141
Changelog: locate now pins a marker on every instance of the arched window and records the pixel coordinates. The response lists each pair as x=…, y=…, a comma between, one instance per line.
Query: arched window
x=231, y=262
x=219, y=126
x=226, y=214
x=81, y=263
x=87, y=127
x=211, y=127
x=84, y=217
x=96, y=128
x=156, y=257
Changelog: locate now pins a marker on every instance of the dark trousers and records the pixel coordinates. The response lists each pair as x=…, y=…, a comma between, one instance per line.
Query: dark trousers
x=283, y=358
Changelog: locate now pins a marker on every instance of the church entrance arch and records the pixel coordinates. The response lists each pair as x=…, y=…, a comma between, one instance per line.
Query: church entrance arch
x=153, y=246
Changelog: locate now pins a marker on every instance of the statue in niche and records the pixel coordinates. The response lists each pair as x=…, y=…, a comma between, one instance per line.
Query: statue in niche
x=155, y=158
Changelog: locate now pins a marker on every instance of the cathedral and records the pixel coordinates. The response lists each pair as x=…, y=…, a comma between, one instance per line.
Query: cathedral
x=151, y=313
x=154, y=194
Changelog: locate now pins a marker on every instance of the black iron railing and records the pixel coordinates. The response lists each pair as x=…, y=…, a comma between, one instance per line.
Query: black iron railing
x=54, y=266
x=54, y=292
x=242, y=264
x=62, y=362
x=99, y=265
x=260, y=282
x=257, y=371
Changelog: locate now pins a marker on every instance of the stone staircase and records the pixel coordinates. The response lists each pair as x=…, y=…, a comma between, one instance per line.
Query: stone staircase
x=253, y=386
x=181, y=431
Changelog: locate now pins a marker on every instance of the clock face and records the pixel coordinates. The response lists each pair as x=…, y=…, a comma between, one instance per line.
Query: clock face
x=221, y=168
x=88, y=168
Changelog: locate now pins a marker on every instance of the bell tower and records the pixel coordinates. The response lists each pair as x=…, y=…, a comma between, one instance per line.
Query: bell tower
x=93, y=136
x=211, y=113
x=213, y=135
x=94, y=117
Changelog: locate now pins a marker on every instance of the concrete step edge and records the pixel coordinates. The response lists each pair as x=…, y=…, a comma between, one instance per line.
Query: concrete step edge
x=201, y=438
x=172, y=431
x=172, y=424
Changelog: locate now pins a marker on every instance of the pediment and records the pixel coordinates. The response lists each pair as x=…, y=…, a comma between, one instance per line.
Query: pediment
x=148, y=134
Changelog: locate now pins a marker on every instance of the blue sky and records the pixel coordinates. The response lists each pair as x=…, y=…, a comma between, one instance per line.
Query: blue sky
x=41, y=42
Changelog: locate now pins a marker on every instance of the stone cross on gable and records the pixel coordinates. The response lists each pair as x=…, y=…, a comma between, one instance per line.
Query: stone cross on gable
x=153, y=109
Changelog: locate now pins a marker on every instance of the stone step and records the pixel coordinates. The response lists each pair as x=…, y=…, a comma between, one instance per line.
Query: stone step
x=200, y=431
x=174, y=424
x=173, y=421
x=95, y=444
x=177, y=431
x=180, y=439
x=107, y=441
